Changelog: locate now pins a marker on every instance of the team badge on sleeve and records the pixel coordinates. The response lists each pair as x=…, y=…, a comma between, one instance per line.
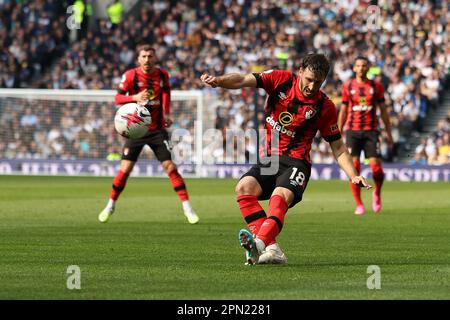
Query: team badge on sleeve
x=122, y=81
x=334, y=127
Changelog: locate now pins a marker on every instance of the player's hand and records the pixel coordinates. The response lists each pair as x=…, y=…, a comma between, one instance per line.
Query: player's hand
x=360, y=181
x=168, y=122
x=141, y=96
x=209, y=80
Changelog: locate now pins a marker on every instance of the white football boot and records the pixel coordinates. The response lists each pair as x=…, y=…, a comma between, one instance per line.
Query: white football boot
x=190, y=213
x=273, y=255
x=106, y=214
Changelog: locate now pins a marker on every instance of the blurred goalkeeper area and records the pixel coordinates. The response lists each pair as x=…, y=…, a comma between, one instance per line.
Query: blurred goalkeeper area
x=85, y=46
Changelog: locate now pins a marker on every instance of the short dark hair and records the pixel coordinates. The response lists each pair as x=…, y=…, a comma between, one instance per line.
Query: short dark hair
x=144, y=47
x=317, y=63
x=361, y=58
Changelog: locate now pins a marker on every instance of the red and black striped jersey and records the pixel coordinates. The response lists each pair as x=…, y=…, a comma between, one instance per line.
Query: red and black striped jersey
x=361, y=100
x=296, y=118
x=157, y=84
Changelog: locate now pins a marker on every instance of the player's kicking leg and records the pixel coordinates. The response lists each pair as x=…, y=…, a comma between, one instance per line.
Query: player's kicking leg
x=288, y=191
x=247, y=191
x=119, y=182
x=260, y=244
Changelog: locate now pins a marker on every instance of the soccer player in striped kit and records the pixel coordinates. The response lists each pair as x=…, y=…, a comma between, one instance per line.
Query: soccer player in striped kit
x=295, y=110
x=148, y=85
x=361, y=98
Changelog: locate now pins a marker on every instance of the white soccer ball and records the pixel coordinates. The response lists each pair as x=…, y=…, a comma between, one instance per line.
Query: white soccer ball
x=132, y=120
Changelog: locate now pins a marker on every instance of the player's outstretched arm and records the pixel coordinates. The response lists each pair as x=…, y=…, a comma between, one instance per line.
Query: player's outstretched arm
x=344, y=160
x=342, y=117
x=229, y=81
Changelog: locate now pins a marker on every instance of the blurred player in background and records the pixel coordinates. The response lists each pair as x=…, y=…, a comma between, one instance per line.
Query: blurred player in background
x=148, y=85
x=295, y=108
x=361, y=99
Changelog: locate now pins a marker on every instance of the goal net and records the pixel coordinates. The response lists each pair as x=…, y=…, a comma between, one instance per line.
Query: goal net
x=71, y=132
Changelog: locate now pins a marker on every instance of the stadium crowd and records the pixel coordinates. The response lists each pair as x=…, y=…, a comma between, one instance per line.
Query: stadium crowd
x=435, y=149
x=32, y=35
x=407, y=43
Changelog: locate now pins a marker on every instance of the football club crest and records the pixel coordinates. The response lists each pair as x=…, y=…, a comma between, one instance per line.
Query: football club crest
x=310, y=112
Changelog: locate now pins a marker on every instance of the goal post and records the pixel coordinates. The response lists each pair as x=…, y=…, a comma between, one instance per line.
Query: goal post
x=62, y=132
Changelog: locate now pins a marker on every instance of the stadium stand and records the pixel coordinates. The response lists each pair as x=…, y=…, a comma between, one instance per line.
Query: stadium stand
x=409, y=51
x=32, y=35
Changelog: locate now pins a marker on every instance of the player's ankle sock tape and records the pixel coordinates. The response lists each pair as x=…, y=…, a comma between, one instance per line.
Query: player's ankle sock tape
x=252, y=212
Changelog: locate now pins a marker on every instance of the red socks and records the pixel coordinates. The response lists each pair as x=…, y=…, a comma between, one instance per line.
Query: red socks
x=118, y=185
x=274, y=223
x=356, y=190
x=378, y=176
x=252, y=212
x=177, y=181
x=178, y=185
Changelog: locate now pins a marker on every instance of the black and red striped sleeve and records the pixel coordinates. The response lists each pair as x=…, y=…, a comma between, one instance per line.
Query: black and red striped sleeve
x=379, y=92
x=345, y=93
x=124, y=88
x=270, y=79
x=327, y=123
x=165, y=92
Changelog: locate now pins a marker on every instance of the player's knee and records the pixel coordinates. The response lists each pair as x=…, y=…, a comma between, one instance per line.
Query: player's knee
x=126, y=166
x=240, y=189
x=243, y=189
x=168, y=166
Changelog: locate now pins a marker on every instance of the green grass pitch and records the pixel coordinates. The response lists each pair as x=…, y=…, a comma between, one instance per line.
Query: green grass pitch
x=149, y=251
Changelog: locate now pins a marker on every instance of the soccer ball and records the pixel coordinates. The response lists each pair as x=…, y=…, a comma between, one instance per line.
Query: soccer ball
x=132, y=120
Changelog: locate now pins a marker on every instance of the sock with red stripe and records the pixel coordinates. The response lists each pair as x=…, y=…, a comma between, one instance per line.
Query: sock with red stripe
x=252, y=212
x=273, y=225
x=378, y=176
x=178, y=185
x=118, y=185
x=356, y=190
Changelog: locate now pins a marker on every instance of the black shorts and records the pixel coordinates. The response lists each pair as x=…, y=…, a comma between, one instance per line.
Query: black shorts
x=158, y=141
x=364, y=140
x=293, y=174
